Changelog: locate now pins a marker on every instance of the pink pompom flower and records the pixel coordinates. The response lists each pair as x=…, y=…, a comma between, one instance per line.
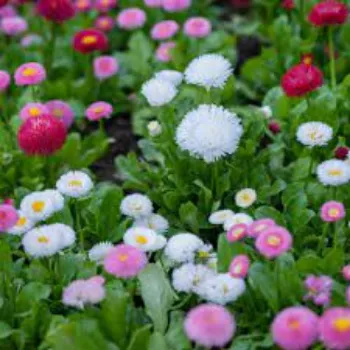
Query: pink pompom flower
x=334, y=328
x=99, y=110
x=318, y=289
x=5, y=80
x=104, y=23
x=210, y=325
x=332, y=211
x=82, y=5
x=8, y=217
x=197, y=27
x=239, y=266
x=346, y=272
x=176, y=5
x=163, y=52
x=153, y=3
x=13, y=25
x=295, y=328
x=31, y=110
x=164, y=30
x=131, y=18
x=31, y=73
x=273, y=242
x=125, y=261
x=105, y=67
x=61, y=110
x=237, y=232
x=258, y=226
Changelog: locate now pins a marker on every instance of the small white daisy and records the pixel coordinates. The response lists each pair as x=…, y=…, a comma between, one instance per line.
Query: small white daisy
x=333, y=172
x=158, y=92
x=57, y=199
x=314, y=134
x=160, y=243
x=171, y=76
x=140, y=237
x=154, y=128
x=136, y=205
x=23, y=225
x=99, y=251
x=74, y=184
x=245, y=198
x=240, y=218
x=209, y=71
x=155, y=222
x=65, y=232
x=37, y=206
x=220, y=216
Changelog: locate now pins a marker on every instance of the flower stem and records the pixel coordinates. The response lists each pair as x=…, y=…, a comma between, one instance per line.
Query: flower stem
x=331, y=57
x=321, y=247
x=51, y=48
x=302, y=15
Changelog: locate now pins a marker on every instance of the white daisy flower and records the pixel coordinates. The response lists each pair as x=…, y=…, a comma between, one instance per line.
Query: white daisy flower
x=222, y=289
x=154, y=128
x=212, y=262
x=267, y=111
x=99, y=251
x=57, y=199
x=136, y=205
x=333, y=172
x=205, y=251
x=314, y=134
x=155, y=222
x=159, y=244
x=41, y=242
x=75, y=184
x=23, y=225
x=245, y=198
x=209, y=71
x=158, y=92
x=240, y=218
x=182, y=247
x=220, y=216
x=172, y=76
x=189, y=277
x=65, y=232
x=209, y=132
x=37, y=206
x=140, y=237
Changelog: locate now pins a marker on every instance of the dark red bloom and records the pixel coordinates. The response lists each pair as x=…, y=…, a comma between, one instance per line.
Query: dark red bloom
x=56, y=10
x=42, y=135
x=328, y=12
x=241, y=3
x=274, y=127
x=288, y=4
x=3, y=2
x=90, y=40
x=341, y=152
x=301, y=79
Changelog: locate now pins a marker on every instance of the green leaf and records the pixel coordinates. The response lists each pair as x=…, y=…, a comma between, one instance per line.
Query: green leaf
x=140, y=338
x=333, y=261
x=31, y=294
x=189, y=215
x=157, y=342
x=270, y=212
x=175, y=336
x=5, y=330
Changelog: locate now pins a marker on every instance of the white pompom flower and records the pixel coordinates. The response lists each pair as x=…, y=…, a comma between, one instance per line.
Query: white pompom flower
x=333, y=172
x=245, y=197
x=56, y=197
x=75, y=184
x=37, y=206
x=209, y=71
x=239, y=218
x=141, y=237
x=209, y=132
x=314, y=134
x=136, y=206
x=158, y=92
x=220, y=216
x=155, y=222
x=99, y=251
x=23, y=225
x=65, y=232
x=154, y=128
x=172, y=76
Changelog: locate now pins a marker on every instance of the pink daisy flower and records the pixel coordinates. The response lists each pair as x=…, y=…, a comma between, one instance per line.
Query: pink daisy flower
x=197, y=27
x=13, y=25
x=273, y=242
x=259, y=226
x=163, y=52
x=153, y=3
x=334, y=328
x=125, y=261
x=210, y=325
x=8, y=217
x=164, y=30
x=99, y=110
x=237, y=232
x=239, y=266
x=105, y=67
x=319, y=289
x=31, y=110
x=332, y=211
x=104, y=23
x=176, y=5
x=62, y=111
x=346, y=272
x=295, y=328
x=5, y=80
x=31, y=73
x=131, y=18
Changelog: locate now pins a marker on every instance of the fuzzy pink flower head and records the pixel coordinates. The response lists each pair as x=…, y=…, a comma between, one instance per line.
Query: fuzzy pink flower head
x=163, y=52
x=176, y=5
x=273, y=242
x=210, y=325
x=237, y=232
x=164, y=30
x=131, y=18
x=104, y=23
x=31, y=73
x=258, y=226
x=346, y=272
x=99, y=110
x=153, y=3
x=295, y=328
x=7, y=11
x=239, y=266
x=13, y=25
x=61, y=110
x=82, y=5
x=334, y=328
x=125, y=261
x=105, y=5
x=197, y=27
x=32, y=110
x=318, y=289
x=105, y=67
x=332, y=211
x=8, y=217
x=5, y=80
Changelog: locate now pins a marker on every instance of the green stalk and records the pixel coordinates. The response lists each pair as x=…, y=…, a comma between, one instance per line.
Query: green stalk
x=51, y=48
x=331, y=57
x=302, y=15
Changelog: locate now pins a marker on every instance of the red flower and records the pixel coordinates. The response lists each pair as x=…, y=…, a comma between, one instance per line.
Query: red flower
x=56, y=10
x=328, y=12
x=3, y=2
x=288, y=4
x=274, y=127
x=301, y=79
x=89, y=40
x=42, y=135
x=341, y=152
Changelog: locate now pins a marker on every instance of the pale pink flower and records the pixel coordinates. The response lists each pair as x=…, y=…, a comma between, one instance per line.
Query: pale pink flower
x=210, y=325
x=31, y=73
x=239, y=266
x=8, y=217
x=164, y=30
x=259, y=226
x=131, y=18
x=5, y=80
x=7, y=11
x=33, y=109
x=332, y=211
x=13, y=25
x=346, y=272
x=62, y=111
x=104, y=23
x=105, y=67
x=237, y=232
x=99, y=110
x=319, y=289
x=176, y=5
x=197, y=27
x=163, y=52
x=295, y=328
x=153, y=3
x=125, y=261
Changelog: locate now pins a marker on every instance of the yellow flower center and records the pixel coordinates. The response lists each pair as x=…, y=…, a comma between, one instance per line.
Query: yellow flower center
x=122, y=257
x=89, y=39
x=21, y=221
x=43, y=239
x=335, y=172
x=98, y=109
x=236, y=233
x=38, y=206
x=294, y=324
x=203, y=254
x=141, y=239
x=274, y=241
x=342, y=324
x=75, y=183
x=246, y=197
x=333, y=212
x=34, y=112
x=29, y=72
